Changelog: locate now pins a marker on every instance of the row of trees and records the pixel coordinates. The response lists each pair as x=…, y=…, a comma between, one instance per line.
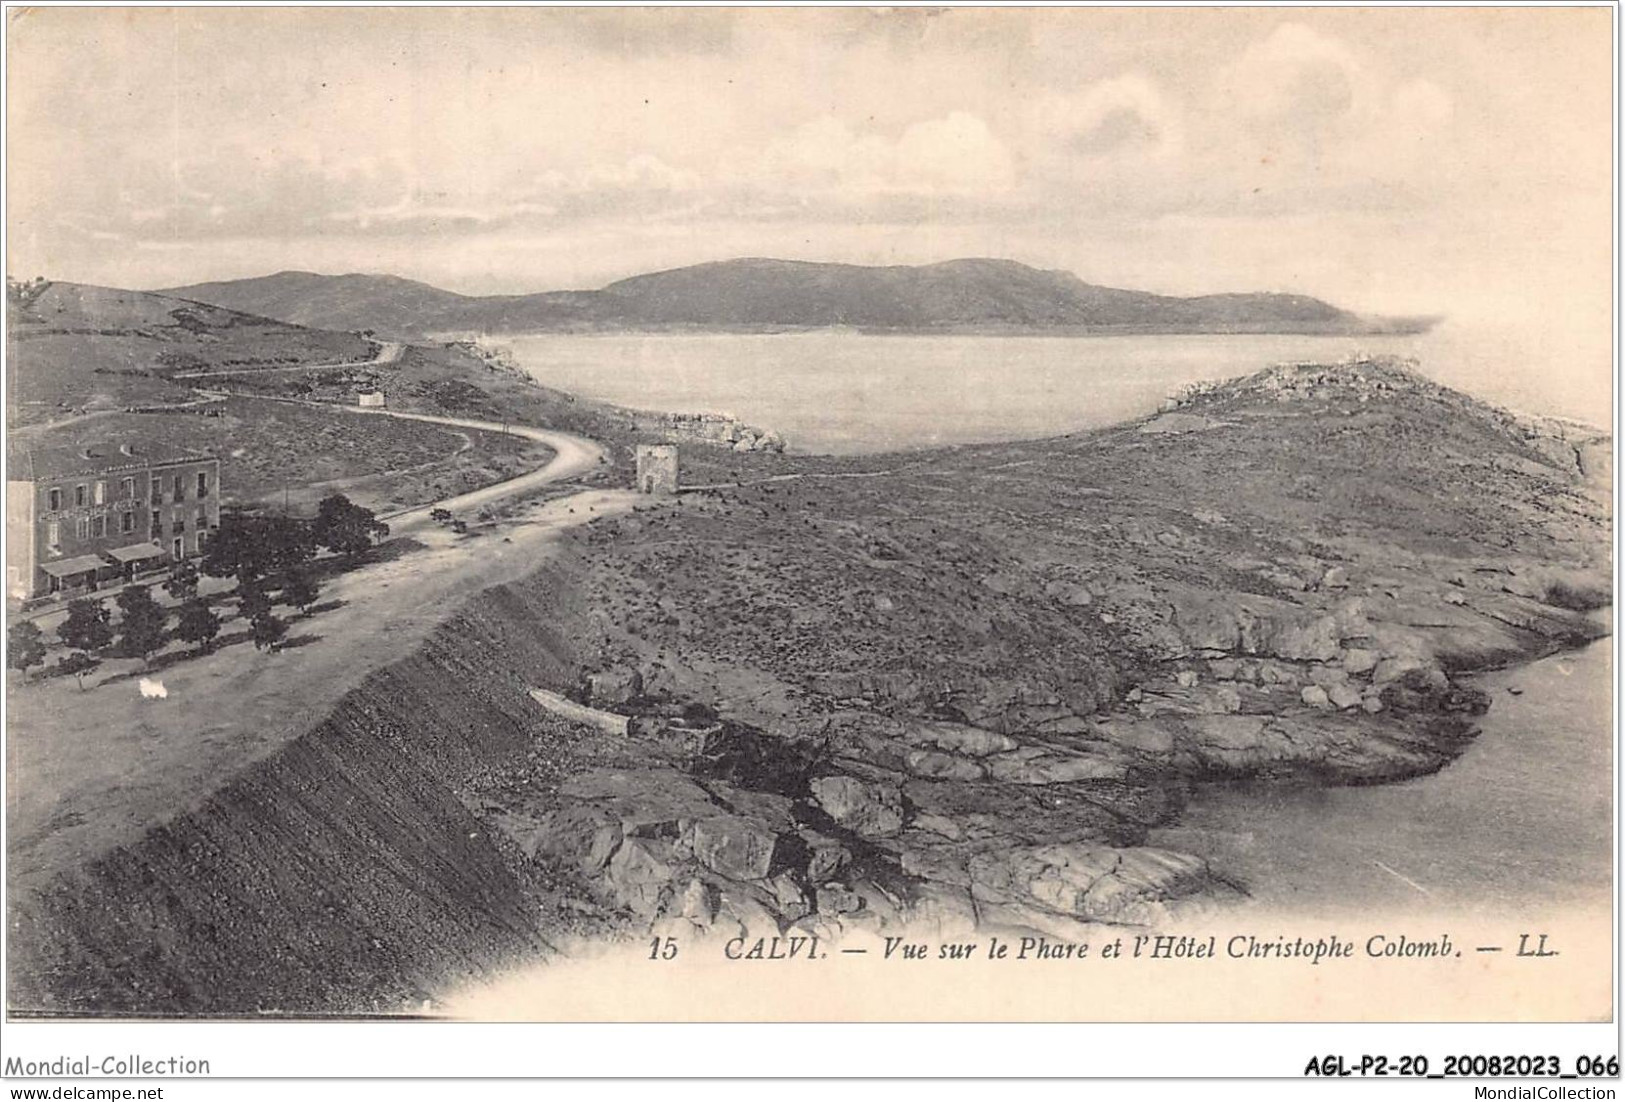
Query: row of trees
x=143, y=625
x=251, y=546
x=265, y=553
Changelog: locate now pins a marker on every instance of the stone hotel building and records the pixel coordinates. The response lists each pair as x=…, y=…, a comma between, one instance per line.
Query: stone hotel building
x=77, y=518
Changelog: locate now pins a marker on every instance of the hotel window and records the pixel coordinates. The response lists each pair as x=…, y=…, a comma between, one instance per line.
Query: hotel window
x=157, y=490
x=98, y=526
x=54, y=499
x=79, y=494
x=53, y=535
x=202, y=520
x=180, y=487
x=99, y=494
x=129, y=489
x=202, y=484
x=126, y=522
x=157, y=524
x=81, y=528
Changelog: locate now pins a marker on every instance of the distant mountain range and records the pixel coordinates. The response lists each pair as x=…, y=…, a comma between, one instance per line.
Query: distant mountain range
x=758, y=294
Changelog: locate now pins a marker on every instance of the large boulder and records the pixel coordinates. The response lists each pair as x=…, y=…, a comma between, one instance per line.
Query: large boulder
x=942, y=766
x=1087, y=881
x=873, y=810
x=1344, y=695
x=650, y=802
x=825, y=856
x=735, y=847
x=616, y=685
x=1313, y=640
x=1358, y=660
x=1033, y=765
x=639, y=875
x=960, y=739
x=1069, y=594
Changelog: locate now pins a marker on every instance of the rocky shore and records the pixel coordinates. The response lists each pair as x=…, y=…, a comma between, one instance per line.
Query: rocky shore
x=960, y=692
x=976, y=731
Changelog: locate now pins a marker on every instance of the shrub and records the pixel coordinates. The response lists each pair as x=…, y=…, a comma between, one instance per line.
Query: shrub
x=346, y=528
x=78, y=664
x=142, y=622
x=198, y=624
x=183, y=579
x=87, y=627
x=25, y=646
x=301, y=591
x=267, y=630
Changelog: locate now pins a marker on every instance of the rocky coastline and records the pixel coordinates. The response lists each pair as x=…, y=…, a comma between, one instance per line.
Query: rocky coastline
x=823, y=802
x=961, y=693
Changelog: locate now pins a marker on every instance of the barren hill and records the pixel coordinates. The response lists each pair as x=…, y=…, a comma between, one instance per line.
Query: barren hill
x=76, y=347
x=753, y=293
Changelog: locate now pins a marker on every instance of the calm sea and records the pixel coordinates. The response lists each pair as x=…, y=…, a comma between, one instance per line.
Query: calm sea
x=1523, y=819
x=847, y=392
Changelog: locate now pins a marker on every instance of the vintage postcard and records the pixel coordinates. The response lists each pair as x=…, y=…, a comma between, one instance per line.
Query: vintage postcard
x=819, y=514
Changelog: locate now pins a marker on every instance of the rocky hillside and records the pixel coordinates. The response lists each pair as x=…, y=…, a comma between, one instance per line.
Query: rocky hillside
x=986, y=675
x=74, y=347
x=957, y=688
x=957, y=295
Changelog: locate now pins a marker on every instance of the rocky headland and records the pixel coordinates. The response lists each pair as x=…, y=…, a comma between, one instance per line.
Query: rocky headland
x=967, y=689
x=959, y=687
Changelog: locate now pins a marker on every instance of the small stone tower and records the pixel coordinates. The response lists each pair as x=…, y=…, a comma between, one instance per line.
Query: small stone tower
x=657, y=468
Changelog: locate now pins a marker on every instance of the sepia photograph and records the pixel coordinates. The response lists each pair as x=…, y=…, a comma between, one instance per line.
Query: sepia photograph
x=825, y=514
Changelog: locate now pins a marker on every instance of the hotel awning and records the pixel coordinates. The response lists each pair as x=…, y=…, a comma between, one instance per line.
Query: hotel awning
x=136, y=552
x=80, y=564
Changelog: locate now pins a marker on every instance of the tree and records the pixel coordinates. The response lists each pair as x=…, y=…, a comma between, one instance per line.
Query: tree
x=267, y=630
x=250, y=546
x=346, y=528
x=439, y=515
x=252, y=600
x=25, y=646
x=183, y=579
x=301, y=591
x=198, y=624
x=143, y=622
x=78, y=663
x=86, y=627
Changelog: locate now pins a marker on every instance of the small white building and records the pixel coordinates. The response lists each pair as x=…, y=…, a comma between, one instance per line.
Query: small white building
x=370, y=399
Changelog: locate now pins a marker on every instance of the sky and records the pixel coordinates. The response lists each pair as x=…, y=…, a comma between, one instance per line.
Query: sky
x=1452, y=161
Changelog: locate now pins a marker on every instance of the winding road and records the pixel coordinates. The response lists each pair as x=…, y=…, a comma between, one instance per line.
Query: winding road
x=573, y=456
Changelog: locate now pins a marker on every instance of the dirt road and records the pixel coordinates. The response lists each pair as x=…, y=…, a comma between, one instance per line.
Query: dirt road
x=94, y=769
x=573, y=456
x=388, y=353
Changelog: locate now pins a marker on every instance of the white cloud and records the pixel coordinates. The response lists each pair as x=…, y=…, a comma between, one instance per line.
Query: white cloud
x=1298, y=73
x=1125, y=115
